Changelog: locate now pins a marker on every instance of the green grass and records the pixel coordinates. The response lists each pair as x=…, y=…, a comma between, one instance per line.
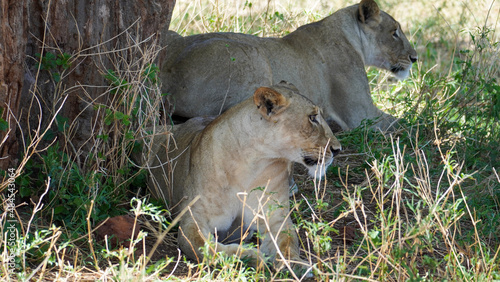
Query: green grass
x=422, y=204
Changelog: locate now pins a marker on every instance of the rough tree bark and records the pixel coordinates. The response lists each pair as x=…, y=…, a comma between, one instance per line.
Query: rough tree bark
x=67, y=26
x=13, y=38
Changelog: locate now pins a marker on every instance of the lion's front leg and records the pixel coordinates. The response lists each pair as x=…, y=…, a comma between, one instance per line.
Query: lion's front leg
x=281, y=242
x=194, y=235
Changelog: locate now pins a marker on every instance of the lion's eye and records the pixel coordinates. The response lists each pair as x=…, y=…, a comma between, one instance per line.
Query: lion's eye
x=395, y=34
x=313, y=118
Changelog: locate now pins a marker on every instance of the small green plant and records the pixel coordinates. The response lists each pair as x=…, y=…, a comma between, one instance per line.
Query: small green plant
x=55, y=64
x=320, y=234
x=133, y=267
x=220, y=266
x=71, y=193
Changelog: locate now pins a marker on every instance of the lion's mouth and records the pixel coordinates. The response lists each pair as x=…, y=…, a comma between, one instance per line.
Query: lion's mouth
x=397, y=68
x=317, y=167
x=310, y=161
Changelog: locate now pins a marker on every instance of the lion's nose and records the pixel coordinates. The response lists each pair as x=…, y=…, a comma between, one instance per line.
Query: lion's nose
x=413, y=59
x=335, y=151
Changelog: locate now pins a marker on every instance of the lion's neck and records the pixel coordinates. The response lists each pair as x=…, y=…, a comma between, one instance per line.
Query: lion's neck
x=247, y=136
x=339, y=32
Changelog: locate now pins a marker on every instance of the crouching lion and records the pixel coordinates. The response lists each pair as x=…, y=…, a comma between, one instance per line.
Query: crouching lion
x=239, y=164
x=208, y=73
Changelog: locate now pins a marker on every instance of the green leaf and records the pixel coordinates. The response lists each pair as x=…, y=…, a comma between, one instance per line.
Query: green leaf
x=104, y=137
x=108, y=120
x=129, y=135
x=119, y=115
x=62, y=123
x=59, y=209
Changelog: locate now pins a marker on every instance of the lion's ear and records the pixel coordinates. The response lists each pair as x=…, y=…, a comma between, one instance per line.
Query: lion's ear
x=269, y=101
x=369, y=12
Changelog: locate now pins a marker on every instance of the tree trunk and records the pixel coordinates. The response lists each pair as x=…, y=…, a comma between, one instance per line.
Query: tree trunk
x=13, y=37
x=74, y=28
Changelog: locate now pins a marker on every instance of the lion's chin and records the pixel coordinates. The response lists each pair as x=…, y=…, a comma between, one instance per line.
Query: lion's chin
x=401, y=73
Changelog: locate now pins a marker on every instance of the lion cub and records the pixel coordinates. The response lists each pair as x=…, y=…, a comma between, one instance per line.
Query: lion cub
x=239, y=163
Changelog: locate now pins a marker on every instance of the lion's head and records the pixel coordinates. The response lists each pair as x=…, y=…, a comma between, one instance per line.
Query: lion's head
x=298, y=126
x=386, y=46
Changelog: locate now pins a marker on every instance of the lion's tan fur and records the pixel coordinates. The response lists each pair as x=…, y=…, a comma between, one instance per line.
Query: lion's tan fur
x=239, y=164
x=207, y=73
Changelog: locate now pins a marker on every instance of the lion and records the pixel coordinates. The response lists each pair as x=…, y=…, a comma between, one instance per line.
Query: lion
x=206, y=74
x=239, y=164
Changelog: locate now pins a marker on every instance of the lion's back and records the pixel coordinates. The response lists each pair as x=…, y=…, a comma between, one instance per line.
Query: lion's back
x=206, y=74
x=186, y=132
